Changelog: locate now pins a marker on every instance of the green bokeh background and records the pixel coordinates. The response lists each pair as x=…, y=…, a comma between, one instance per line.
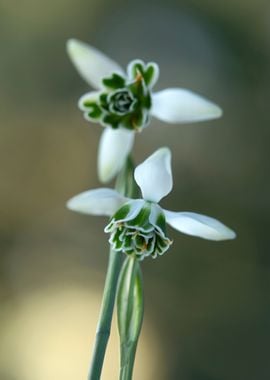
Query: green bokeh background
x=207, y=303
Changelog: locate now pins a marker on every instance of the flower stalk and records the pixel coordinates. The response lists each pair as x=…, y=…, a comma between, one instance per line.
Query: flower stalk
x=105, y=319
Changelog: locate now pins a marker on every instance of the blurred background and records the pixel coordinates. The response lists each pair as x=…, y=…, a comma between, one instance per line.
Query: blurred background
x=207, y=304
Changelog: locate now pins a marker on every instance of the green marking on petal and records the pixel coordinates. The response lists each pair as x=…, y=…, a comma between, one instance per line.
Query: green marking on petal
x=114, y=82
x=95, y=111
x=122, y=212
x=112, y=120
x=161, y=222
x=103, y=100
x=138, y=235
x=149, y=74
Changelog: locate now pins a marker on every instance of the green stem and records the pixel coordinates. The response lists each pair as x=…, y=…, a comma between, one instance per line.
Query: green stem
x=125, y=185
x=104, y=324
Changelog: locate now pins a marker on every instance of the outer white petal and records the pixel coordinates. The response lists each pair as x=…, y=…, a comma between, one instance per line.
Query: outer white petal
x=176, y=105
x=101, y=201
x=114, y=147
x=154, y=175
x=199, y=225
x=91, y=64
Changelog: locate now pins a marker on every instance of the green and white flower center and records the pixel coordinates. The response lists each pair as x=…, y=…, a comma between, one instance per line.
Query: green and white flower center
x=138, y=228
x=121, y=102
x=124, y=101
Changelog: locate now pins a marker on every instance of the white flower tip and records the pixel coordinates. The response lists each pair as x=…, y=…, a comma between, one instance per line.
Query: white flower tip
x=219, y=232
x=74, y=47
x=216, y=111
x=164, y=154
x=106, y=173
x=228, y=234
x=73, y=204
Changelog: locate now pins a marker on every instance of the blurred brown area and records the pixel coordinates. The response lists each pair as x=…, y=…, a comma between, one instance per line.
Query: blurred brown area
x=207, y=304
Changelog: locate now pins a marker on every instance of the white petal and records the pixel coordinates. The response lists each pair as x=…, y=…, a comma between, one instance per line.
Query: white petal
x=176, y=105
x=199, y=225
x=154, y=175
x=91, y=64
x=101, y=201
x=114, y=147
x=91, y=96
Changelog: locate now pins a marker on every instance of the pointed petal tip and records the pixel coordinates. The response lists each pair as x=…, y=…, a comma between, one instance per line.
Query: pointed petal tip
x=230, y=234
x=105, y=174
x=224, y=233
x=73, y=46
x=217, y=112
x=69, y=204
x=164, y=151
x=74, y=204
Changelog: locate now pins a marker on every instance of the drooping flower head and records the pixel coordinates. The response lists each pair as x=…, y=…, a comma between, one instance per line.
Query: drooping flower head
x=138, y=226
x=124, y=103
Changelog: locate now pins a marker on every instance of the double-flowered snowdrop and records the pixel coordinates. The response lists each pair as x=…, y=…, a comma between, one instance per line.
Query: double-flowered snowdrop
x=138, y=226
x=123, y=102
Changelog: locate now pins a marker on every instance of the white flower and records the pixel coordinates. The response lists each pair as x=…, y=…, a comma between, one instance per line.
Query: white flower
x=138, y=226
x=124, y=103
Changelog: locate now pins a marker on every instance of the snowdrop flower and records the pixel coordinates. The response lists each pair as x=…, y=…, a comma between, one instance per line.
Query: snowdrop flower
x=138, y=226
x=123, y=103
